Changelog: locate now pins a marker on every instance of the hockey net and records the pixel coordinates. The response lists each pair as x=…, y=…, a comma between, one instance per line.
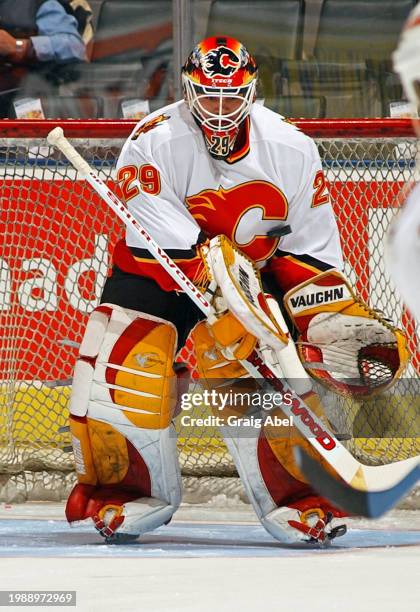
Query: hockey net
x=57, y=236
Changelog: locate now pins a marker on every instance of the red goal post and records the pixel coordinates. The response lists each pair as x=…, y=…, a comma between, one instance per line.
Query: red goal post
x=57, y=237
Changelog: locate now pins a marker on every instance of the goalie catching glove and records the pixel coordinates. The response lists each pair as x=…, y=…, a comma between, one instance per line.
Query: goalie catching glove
x=342, y=342
x=243, y=316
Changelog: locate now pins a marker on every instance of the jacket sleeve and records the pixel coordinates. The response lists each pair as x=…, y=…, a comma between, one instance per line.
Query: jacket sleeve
x=58, y=39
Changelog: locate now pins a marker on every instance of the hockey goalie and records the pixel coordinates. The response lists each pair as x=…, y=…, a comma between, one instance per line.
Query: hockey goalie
x=237, y=198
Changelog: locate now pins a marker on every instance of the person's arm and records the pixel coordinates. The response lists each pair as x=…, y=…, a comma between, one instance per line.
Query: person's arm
x=150, y=196
x=58, y=39
x=341, y=340
x=402, y=252
x=16, y=50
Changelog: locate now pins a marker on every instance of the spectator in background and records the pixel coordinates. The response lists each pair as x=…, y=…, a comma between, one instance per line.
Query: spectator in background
x=38, y=39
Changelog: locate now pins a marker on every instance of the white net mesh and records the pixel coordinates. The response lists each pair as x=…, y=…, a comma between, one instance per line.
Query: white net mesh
x=54, y=257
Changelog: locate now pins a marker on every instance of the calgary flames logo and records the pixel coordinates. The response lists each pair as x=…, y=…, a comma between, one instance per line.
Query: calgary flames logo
x=244, y=214
x=220, y=62
x=149, y=125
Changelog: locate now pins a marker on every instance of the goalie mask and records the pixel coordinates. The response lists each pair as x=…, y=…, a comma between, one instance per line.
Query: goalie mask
x=406, y=60
x=219, y=80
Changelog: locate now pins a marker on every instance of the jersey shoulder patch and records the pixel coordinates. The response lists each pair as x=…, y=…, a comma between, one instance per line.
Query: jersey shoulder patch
x=151, y=124
x=165, y=125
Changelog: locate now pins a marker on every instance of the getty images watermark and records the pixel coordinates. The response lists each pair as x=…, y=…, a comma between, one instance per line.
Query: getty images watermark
x=234, y=400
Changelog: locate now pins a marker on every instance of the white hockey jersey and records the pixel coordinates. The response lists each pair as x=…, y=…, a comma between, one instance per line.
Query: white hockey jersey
x=175, y=188
x=402, y=252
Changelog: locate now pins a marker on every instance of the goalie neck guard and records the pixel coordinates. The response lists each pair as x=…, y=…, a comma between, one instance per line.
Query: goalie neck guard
x=219, y=80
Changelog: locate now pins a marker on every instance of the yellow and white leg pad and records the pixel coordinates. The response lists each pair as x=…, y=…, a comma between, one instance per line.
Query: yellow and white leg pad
x=299, y=520
x=245, y=453
x=215, y=370
x=252, y=458
x=122, y=403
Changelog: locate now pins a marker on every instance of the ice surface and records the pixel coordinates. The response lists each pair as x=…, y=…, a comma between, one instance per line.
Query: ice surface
x=228, y=563
x=55, y=538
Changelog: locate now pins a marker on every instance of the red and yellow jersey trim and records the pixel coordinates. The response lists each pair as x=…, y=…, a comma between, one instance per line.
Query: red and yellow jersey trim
x=126, y=261
x=243, y=151
x=291, y=270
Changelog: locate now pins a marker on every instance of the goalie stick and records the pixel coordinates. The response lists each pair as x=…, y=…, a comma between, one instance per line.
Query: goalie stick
x=312, y=428
x=370, y=504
